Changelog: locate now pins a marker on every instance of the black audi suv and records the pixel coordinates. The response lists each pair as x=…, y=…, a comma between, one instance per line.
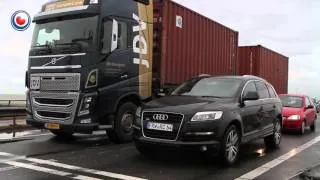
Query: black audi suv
x=211, y=114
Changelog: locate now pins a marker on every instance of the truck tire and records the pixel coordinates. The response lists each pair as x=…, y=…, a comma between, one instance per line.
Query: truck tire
x=123, y=122
x=62, y=134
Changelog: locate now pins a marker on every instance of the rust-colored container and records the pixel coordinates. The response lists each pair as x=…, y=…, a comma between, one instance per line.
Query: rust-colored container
x=187, y=44
x=265, y=63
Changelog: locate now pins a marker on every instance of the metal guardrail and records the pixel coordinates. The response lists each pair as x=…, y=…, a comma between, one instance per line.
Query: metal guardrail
x=12, y=112
x=9, y=103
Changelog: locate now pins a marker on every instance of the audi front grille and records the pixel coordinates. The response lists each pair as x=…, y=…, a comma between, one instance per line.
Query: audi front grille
x=158, y=117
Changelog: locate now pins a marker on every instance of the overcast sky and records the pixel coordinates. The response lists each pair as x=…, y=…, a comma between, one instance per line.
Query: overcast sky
x=290, y=27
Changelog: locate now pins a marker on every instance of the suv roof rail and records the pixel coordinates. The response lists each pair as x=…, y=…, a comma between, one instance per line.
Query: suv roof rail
x=204, y=75
x=252, y=76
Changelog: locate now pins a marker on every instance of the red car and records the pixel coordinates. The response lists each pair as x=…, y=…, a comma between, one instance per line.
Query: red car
x=298, y=112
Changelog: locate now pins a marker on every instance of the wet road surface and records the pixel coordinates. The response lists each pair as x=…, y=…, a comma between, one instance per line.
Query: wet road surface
x=94, y=157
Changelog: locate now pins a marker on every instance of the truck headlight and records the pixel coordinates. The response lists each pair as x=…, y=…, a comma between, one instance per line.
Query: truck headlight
x=207, y=116
x=92, y=80
x=294, y=117
x=86, y=105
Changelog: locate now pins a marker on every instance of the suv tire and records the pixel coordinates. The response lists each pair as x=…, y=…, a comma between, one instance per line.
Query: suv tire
x=230, y=144
x=124, y=119
x=273, y=141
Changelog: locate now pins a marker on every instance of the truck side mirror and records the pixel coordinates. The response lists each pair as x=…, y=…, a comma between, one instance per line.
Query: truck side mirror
x=109, y=36
x=114, y=41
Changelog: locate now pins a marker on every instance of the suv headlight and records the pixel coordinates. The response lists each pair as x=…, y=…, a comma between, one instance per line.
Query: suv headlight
x=207, y=116
x=294, y=117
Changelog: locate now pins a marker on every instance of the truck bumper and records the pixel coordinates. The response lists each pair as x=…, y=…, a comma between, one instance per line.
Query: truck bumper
x=75, y=128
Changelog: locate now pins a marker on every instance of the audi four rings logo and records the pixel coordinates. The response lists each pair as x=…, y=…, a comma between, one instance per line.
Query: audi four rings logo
x=160, y=117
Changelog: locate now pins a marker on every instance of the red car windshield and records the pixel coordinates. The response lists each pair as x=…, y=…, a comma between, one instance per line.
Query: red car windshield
x=292, y=101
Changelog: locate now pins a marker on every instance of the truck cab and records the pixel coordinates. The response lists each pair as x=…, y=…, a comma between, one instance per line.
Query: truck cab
x=90, y=66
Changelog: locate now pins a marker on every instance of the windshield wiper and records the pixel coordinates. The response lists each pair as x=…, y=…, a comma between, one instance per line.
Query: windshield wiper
x=70, y=44
x=44, y=45
x=211, y=97
x=81, y=39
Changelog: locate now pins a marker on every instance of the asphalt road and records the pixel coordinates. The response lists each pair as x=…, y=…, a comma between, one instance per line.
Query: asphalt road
x=94, y=157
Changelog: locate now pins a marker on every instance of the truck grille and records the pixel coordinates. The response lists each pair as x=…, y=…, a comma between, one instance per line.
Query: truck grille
x=60, y=107
x=53, y=115
x=59, y=81
x=173, y=118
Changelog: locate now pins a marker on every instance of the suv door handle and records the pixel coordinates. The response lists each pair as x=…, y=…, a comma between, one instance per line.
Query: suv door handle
x=125, y=76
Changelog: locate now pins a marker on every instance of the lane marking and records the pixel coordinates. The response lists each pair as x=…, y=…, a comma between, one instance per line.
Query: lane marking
x=49, y=171
x=74, y=168
x=86, y=170
x=268, y=166
x=3, y=161
x=38, y=168
x=80, y=177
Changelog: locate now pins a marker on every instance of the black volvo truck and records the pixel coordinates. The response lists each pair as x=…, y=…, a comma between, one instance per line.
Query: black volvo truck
x=90, y=66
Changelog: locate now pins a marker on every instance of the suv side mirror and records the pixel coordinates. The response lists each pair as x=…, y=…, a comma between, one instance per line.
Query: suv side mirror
x=251, y=96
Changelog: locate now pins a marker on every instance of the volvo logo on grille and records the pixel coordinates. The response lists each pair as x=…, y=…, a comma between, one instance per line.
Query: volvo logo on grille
x=160, y=117
x=53, y=61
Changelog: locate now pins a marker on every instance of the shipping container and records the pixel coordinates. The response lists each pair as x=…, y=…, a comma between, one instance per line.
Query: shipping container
x=265, y=63
x=187, y=44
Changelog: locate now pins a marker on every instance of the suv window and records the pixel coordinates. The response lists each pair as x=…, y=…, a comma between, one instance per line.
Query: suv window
x=262, y=90
x=250, y=87
x=272, y=93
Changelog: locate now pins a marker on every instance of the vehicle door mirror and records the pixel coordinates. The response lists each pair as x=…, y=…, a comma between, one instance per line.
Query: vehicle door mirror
x=310, y=107
x=109, y=36
x=251, y=96
x=114, y=41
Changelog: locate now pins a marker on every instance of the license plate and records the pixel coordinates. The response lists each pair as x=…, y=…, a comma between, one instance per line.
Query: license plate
x=52, y=126
x=160, y=126
x=35, y=83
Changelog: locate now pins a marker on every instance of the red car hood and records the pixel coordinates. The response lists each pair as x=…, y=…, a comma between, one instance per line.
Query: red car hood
x=289, y=111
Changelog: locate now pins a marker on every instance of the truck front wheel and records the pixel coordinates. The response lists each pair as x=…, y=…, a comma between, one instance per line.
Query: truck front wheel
x=122, y=130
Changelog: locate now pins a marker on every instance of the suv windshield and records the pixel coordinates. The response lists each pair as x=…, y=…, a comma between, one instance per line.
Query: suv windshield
x=209, y=87
x=292, y=101
x=65, y=32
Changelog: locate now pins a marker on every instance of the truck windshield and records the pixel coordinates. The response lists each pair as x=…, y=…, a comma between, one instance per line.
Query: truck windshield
x=65, y=32
x=209, y=87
